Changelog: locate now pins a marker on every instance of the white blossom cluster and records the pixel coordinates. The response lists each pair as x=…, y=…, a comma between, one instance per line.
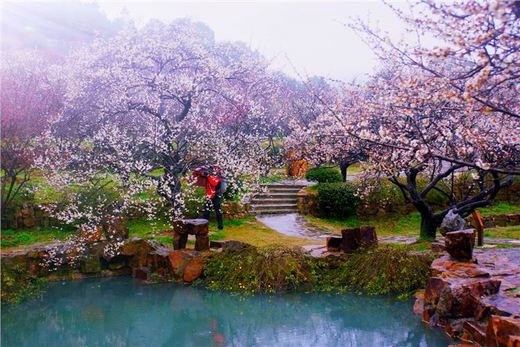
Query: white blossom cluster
x=145, y=108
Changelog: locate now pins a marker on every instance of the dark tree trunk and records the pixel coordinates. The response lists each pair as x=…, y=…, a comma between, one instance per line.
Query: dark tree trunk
x=343, y=167
x=429, y=225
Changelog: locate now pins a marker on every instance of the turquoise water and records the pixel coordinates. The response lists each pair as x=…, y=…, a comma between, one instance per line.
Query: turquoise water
x=123, y=312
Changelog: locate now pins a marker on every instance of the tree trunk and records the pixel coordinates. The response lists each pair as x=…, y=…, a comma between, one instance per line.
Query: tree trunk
x=429, y=225
x=343, y=167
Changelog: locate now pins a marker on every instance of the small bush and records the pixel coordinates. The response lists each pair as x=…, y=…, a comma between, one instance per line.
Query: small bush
x=377, y=271
x=337, y=200
x=18, y=284
x=271, y=269
x=324, y=174
x=194, y=203
x=510, y=194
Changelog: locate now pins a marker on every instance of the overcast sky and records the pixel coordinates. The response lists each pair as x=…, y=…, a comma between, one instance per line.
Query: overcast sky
x=309, y=35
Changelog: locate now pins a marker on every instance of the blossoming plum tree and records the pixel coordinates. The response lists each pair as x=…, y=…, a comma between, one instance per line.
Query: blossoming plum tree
x=316, y=109
x=29, y=98
x=436, y=114
x=146, y=107
x=458, y=100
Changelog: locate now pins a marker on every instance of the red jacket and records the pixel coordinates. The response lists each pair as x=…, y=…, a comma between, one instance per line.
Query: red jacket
x=211, y=185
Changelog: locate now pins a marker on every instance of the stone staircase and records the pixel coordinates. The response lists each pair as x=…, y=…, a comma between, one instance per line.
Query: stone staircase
x=278, y=198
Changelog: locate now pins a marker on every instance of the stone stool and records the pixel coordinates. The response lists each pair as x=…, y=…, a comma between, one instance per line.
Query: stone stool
x=184, y=227
x=355, y=238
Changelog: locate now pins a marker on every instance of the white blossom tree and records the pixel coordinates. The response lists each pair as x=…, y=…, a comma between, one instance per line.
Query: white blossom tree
x=145, y=108
x=434, y=113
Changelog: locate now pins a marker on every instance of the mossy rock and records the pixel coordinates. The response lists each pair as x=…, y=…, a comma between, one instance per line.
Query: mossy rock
x=90, y=264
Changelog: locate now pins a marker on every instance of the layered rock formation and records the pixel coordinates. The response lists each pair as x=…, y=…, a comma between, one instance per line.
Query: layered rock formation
x=477, y=301
x=144, y=259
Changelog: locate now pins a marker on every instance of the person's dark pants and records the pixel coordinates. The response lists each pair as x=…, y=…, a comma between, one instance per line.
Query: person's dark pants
x=218, y=211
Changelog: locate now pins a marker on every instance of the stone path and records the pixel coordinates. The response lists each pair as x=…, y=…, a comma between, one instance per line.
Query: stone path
x=403, y=240
x=293, y=224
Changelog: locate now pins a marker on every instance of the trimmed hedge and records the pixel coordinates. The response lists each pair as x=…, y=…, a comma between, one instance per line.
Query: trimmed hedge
x=324, y=174
x=337, y=200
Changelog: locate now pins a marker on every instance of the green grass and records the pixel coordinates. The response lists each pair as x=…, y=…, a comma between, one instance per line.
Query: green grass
x=409, y=224
x=145, y=228
x=390, y=224
x=510, y=232
x=420, y=246
x=501, y=208
x=354, y=169
x=245, y=229
x=15, y=238
x=508, y=245
x=251, y=231
x=274, y=175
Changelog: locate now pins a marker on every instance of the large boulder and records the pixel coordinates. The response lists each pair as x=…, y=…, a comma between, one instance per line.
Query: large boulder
x=355, y=238
x=503, y=331
x=186, y=265
x=137, y=246
x=459, y=244
x=90, y=264
x=452, y=222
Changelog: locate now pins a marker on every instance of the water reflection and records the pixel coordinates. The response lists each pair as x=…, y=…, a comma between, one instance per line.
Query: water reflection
x=121, y=312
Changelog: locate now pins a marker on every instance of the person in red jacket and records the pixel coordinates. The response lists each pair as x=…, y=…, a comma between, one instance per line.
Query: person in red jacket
x=214, y=196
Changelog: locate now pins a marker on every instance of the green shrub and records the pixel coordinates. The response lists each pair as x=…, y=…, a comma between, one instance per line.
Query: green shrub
x=274, y=269
x=510, y=194
x=337, y=200
x=252, y=270
x=377, y=271
x=18, y=284
x=324, y=174
x=194, y=202
x=434, y=197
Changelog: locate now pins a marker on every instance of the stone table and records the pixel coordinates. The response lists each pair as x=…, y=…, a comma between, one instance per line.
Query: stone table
x=184, y=227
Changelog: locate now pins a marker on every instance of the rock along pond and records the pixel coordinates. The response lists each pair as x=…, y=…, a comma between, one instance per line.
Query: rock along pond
x=123, y=312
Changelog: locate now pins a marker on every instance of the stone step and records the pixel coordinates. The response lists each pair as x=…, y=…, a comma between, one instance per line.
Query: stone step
x=283, y=190
x=273, y=207
x=276, y=201
x=290, y=186
x=267, y=212
x=270, y=195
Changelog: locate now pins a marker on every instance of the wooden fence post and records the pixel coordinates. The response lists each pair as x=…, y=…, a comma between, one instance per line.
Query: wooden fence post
x=479, y=225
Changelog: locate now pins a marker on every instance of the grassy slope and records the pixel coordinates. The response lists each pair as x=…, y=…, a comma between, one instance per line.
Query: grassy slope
x=243, y=229
x=408, y=225
x=251, y=231
x=16, y=238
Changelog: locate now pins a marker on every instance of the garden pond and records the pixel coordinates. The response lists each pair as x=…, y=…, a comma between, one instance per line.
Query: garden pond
x=125, y=312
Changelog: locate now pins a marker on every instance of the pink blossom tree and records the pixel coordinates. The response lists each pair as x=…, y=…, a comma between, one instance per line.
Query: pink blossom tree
x=145, y=108
x=28, y=99
x=450, y=108
x=316, y=108
x=436, y=114
x=415, y=131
